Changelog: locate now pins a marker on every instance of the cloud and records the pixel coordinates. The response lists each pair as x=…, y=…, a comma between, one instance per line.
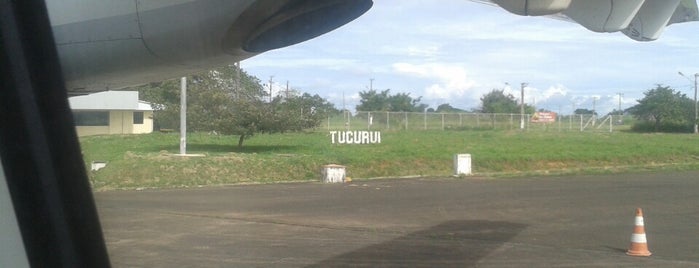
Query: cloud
x=298, y=62
x=450, y=80
x=415, y=50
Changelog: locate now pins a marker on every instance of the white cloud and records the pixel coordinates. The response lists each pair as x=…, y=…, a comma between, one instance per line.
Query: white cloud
x=417, y=50
x=450, y=80
x=293, y=62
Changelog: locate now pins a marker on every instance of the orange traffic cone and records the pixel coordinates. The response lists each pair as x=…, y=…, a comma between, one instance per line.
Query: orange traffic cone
x=639, y=244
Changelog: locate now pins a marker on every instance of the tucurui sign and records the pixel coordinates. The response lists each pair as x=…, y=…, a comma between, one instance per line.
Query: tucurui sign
x=544, y=117
x=355, y=137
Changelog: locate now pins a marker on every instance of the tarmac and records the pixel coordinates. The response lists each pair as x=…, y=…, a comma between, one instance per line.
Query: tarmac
x=570, y=221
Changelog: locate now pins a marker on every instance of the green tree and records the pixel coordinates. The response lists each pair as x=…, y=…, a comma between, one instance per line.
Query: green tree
x=446, y=108
x=496, y=101
x=665, y=109
x=616, y=112
x=584, y=111
x=231, y=102
x=304, y=111
x=371, y=100
x=163, y=97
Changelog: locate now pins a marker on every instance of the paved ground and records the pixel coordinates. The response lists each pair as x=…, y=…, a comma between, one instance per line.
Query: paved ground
x=575, y=221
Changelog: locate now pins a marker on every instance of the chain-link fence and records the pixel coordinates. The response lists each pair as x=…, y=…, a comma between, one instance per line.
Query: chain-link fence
x=474, y=121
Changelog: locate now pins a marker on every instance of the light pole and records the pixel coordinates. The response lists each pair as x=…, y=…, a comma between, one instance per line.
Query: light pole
x=621, y=113
x=696, y=127
x=521, y=108
x=594, y=112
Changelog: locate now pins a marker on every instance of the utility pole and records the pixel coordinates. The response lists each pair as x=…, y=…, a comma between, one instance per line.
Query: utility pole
x=620, y=95
x=696, y=112
x=183, y=115
x=270, y=87
x=621, y=113
x=287, y=89
x=345, y=115
x=237, y=79
x=521, y=107
x=371, y=84
x=594, y=111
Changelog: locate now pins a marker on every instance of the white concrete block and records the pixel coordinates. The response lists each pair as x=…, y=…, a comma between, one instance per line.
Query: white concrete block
x=462, y=164
x=97, y=165
x=333, y=173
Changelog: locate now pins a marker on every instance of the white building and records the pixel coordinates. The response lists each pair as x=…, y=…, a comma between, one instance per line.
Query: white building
x=111, y=112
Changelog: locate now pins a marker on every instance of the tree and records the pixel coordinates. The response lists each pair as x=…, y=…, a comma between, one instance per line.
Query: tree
x=303, y=112
x=665, y=109
x=616, y=112
x=372, y=100
x=496, y=101
x=446, y=108
x=231, y=102
x=163, y=97
x=584, y=111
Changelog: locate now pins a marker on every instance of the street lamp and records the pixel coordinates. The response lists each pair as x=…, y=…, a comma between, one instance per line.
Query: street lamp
x=696, y=127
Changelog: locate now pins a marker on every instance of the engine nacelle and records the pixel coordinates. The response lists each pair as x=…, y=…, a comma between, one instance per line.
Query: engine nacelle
x=108, y=44
x=641, y=20
x=533, y=7
x=651, y=20
x=604, y=15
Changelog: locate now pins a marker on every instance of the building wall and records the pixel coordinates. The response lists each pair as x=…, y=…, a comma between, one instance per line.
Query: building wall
x=92, y=130
x=147, y=126
x=120, y=122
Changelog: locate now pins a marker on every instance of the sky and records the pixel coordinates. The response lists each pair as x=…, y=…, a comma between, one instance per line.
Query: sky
x=455, y=51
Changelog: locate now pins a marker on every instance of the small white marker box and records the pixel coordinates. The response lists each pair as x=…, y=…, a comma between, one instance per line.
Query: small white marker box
x=333, y=173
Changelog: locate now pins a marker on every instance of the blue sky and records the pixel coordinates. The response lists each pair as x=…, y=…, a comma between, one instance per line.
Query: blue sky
x=454, y=51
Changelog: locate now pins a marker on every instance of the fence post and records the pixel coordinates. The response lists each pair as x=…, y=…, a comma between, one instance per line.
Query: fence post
x=388, y=122
x=369, y=120
x=526, y=123
x=570, y=122
x=560, y=117
x=406, y=120
x=424, y=120
x=442, y=121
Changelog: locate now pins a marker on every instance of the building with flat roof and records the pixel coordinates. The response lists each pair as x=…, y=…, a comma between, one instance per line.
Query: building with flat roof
x=111, y=112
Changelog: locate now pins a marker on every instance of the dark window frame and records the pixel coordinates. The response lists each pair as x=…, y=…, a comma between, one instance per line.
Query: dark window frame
x=91, y=118
x=138, y=117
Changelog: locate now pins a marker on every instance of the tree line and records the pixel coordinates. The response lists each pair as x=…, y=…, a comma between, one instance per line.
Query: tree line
x=662, y=109
x=229, y=101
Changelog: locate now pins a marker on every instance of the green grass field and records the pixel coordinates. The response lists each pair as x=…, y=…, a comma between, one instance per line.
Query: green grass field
x=145, y=161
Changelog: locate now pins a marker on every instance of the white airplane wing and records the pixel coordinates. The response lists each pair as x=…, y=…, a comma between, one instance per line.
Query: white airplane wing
x=641, y=20
x=109, y=44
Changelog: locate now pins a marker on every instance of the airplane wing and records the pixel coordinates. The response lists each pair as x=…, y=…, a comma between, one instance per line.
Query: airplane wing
x=109, y=44
x=641, y=20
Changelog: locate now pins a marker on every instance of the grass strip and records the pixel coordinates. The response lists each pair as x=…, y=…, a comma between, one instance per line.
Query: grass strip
x=148, y=161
